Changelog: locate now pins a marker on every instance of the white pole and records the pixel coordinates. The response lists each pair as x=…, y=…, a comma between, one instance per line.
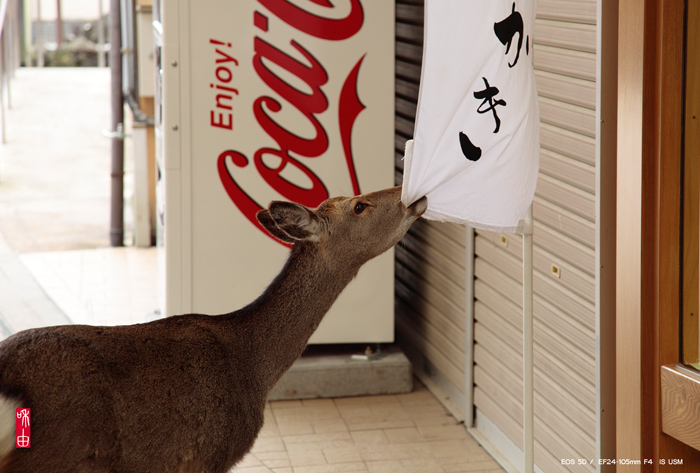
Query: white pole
x=528, y=392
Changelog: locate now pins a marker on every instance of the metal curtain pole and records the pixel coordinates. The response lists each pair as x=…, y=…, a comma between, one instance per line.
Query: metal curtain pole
x=469, y=329
x=528, y=392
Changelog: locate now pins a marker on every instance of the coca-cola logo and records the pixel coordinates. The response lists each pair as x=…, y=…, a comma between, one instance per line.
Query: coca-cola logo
x=289, y=149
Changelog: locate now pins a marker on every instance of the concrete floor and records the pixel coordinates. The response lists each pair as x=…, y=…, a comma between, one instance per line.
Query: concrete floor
x=56, y=267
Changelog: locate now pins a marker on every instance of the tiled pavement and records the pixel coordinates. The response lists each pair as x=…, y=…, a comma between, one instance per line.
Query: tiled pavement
x=410, y=433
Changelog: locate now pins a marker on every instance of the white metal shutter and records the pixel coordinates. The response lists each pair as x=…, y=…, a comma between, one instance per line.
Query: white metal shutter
x=430, y=296
x=564, y=260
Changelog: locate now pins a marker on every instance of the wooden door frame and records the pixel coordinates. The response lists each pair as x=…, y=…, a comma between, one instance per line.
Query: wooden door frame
x=650, y=84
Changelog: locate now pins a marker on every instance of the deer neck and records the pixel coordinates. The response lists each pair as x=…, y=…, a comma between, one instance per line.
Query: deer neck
x=285, y=316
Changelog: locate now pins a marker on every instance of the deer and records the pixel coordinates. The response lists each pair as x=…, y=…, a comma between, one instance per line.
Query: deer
x=186, y=394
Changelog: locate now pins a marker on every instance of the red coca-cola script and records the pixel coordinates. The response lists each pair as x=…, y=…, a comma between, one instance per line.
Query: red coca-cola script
x=289, y=148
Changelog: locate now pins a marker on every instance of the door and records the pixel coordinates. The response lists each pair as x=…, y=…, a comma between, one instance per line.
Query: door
x=658, y=428
x=680, y=382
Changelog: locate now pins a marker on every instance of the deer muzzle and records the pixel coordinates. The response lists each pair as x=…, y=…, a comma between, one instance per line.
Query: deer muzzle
x=418, y=207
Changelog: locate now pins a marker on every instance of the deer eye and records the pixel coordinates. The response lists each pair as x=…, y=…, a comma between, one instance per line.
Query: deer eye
x=360, y=207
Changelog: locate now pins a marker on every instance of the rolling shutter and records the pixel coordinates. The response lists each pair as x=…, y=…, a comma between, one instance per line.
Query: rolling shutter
x=430, y=263
x=564, y=260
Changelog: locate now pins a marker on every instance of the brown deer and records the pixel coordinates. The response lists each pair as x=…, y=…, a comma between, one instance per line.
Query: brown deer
x=187, y=393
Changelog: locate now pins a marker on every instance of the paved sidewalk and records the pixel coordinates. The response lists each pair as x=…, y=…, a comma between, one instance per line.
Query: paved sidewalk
x=102, y=286
x=55, y=165
x=23, y=302
x=54, y=182
x=56, y=265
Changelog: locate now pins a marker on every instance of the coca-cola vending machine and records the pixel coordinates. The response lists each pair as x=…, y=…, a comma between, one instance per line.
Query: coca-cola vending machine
x=269, y=100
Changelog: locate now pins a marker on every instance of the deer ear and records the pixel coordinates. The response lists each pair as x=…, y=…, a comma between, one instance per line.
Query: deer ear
x=296, y=221
x=266, y=221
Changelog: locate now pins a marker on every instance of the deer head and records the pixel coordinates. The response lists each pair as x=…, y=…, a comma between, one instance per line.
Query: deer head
x=342, y=228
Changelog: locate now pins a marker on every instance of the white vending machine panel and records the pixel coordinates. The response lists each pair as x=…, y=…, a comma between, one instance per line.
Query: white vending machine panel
x=270, y=100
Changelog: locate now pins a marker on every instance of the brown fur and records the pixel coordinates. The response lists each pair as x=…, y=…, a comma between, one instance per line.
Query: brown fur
x=187, y=393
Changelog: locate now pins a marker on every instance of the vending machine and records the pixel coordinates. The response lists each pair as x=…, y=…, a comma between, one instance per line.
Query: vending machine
x=260, y=101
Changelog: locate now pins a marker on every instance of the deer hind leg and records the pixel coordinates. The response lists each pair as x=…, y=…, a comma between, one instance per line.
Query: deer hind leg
x=8, y=410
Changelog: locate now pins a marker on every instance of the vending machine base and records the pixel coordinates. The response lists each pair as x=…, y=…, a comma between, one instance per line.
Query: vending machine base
x=343, y=371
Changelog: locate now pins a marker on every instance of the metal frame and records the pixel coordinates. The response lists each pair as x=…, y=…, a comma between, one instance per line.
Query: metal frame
x=528, y=370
